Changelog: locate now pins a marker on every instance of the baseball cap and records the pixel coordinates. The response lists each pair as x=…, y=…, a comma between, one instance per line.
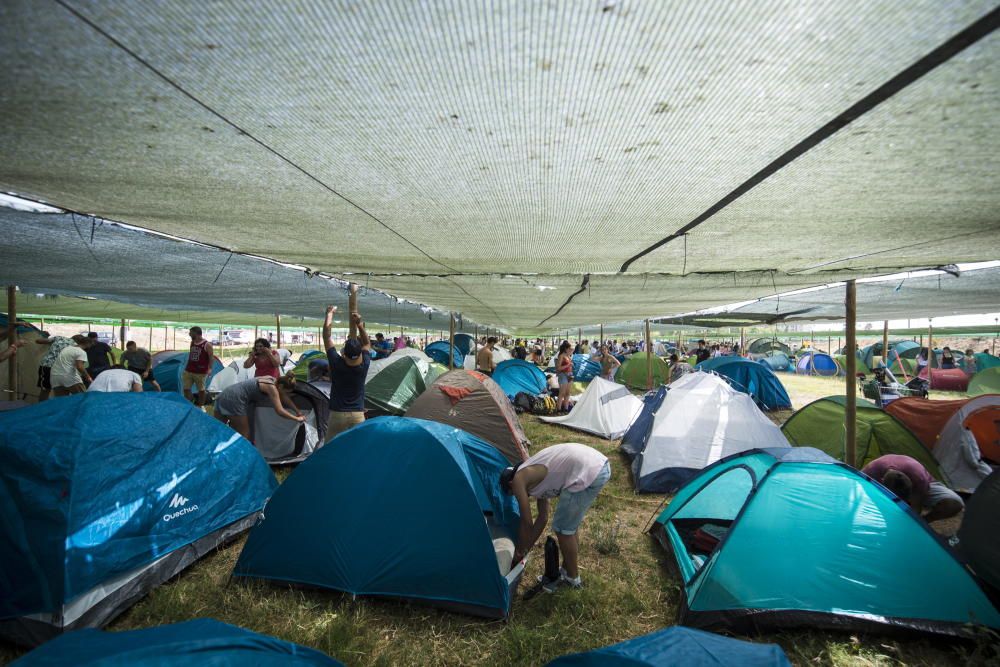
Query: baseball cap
x=352, y=349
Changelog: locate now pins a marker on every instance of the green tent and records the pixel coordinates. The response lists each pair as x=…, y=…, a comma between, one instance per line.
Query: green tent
x=633, y=371
x=394, y=387
x=861, y=367
x=985, y=382
x=301, y=370
x=821, y=424
x=434, y=371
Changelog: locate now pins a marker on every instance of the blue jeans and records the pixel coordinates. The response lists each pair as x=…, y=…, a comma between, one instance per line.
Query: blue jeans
x=574, y=504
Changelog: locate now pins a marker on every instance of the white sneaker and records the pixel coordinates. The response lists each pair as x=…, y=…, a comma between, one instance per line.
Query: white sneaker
x=563, y=580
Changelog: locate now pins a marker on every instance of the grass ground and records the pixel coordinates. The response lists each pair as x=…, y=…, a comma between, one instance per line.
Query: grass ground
x=628, y=590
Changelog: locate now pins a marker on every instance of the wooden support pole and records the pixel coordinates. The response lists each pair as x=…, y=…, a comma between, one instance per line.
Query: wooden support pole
x=475, y=344
x=451, y=341
x=601, y=342
x=885, y=343
x=121, y=333
x=11, y=340
x=277, y=320
x=151, y=339
x=222, y=341
x=649, y=359
x=175, y=340
x=851, y=407
x=352, y=307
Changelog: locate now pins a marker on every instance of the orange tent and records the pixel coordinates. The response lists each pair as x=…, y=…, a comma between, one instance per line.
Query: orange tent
x=928, y=419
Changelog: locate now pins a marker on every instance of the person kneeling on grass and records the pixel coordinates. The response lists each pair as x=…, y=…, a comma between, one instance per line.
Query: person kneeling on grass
x=908, y=479
x=232, y=407
x=573, y=472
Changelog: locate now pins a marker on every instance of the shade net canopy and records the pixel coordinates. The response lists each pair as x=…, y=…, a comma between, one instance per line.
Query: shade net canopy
x=138, y=275
x=937, y=295
x=551, y=140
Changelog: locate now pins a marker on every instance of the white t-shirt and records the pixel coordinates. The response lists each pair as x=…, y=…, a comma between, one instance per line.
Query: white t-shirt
x=64, y=372
x=571, y=467
x=115, y=379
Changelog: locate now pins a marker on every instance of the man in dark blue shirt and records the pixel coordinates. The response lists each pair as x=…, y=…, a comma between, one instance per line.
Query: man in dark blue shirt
x=99, y=358
x=348, y=370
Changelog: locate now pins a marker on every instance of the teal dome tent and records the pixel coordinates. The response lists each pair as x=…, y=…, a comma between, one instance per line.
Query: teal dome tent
x=777, y=538
x=395, y=507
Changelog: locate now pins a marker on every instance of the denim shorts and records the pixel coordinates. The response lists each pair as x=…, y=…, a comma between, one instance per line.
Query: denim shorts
x=563, y=378
x=574, y=504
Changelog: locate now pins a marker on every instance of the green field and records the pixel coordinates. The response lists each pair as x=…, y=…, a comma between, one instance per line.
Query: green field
x=628, y=590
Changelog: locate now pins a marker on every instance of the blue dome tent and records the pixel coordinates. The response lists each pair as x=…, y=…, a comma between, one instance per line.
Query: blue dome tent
x=396, y=507
x=103, y=496
x=816, y=363
x=203, y=641
x=777, y=538
x=465, y=343
x=585, y=369
x=438, y=351
x=170, y=368
x=635, y=438
x=776, y=361
x=678, y=645
x=752, y=378
x=515, y=375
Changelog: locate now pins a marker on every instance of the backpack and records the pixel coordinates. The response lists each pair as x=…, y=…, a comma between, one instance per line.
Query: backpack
x=536, y=405
x=524, y=402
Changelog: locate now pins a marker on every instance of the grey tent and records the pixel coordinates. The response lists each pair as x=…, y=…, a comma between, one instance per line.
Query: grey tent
x=281, y=441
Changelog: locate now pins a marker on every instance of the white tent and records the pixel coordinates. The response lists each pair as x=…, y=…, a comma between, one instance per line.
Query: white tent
x=956, y=449
x=701, y=420
x=605, y=409
x=229, y=376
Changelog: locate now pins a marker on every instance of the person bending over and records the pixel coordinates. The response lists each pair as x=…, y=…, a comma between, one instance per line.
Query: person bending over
x=575, y=474
x=69, y=370
x=232, y=406
x=116, y=380
x=140, y=361
x=908, y=479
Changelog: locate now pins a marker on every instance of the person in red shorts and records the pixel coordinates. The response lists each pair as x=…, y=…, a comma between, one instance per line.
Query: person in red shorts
x=198, y=366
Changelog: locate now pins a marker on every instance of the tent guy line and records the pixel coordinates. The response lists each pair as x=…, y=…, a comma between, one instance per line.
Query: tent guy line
x=145, y=63
x=942, y=54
